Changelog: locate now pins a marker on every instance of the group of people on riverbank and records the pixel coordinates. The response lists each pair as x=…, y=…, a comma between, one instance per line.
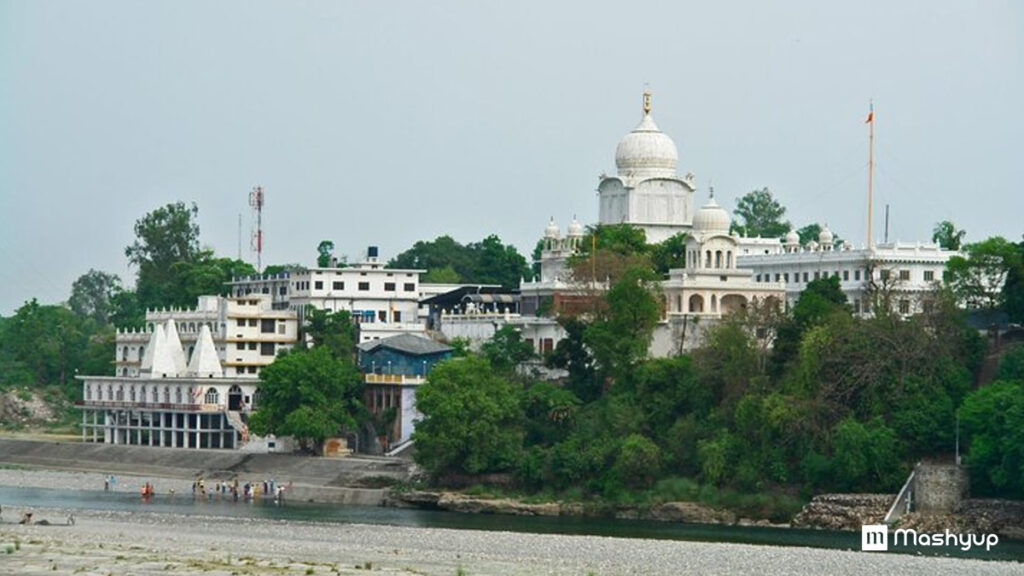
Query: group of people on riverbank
x=244, y=491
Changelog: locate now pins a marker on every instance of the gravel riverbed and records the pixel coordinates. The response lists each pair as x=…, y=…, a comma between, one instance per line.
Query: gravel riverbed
x=146, y=543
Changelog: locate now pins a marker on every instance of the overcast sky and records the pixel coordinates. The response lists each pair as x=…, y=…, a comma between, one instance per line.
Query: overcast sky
x=390, y=122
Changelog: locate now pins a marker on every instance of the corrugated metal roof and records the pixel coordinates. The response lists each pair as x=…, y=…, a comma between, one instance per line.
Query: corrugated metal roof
x=408, y=343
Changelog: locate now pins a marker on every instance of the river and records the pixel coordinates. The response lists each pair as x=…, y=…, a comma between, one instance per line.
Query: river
x=23, y=497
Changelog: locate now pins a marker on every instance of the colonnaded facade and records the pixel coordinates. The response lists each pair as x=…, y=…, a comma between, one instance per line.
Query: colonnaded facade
x=173, y=400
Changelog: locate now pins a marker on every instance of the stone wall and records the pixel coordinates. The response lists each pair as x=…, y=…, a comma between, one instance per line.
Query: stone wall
x=843, y=511
x=938, y=488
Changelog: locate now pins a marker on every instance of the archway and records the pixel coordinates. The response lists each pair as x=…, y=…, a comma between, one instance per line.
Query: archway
x=235, y=398
x=696, y=304
x=733, y=303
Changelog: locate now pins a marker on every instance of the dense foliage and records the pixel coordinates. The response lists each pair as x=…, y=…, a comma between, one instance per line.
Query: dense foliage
x=839, y=403
x=760, y=215
x=447, y=261
x=313, y=393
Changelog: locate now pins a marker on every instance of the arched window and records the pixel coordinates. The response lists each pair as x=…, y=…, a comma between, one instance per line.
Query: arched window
x=124, y=372
x=167, y=394
x=696, y=303
x=177, y=395
x=120, y=393
x=191, y=349
x=142, y=350
x=124, y=353
x=131, y=393
x=707, y=259
x=110, y=392
x=728, y=259
x=191, y=326
x=718, y=258
x=212, y=397
x=256, y=397
x=88, y=391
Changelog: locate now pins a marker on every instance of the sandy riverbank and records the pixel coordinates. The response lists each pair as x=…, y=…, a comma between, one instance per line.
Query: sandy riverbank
x=145, y=543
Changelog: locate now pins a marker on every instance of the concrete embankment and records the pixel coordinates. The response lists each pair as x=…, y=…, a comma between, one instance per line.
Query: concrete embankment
x=334, y=480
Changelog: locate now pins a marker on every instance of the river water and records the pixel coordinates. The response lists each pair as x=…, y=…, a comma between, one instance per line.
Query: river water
x=305, y=512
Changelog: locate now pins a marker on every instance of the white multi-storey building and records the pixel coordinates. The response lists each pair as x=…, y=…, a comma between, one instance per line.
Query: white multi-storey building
x=382, y=301
x=247, y=333
x=897, y=275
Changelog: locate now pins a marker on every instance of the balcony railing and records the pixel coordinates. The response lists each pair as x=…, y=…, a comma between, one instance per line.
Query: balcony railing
x=120, y=405
x=393, y=379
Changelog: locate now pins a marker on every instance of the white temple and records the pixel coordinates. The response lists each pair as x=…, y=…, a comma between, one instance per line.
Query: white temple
x=646, y=191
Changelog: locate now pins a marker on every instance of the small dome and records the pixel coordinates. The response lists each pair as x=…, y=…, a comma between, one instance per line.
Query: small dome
x=552, y=230
x=646, y=151
x=825, y=236
x=575, y=228
x=812, y=246
x=792, y=238
x=711, y=219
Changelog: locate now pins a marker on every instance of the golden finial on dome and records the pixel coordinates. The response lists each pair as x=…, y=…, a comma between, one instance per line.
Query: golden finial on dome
x=647, y=101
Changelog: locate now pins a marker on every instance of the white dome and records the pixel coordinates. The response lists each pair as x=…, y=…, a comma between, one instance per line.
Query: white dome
x=825, y=236
x=711, y=218
x=575, y=228
x=646, y=151
x=552, y=230
x=792, y=238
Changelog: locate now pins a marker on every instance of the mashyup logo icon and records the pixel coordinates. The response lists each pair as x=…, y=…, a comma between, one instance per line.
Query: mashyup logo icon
x=874, y=538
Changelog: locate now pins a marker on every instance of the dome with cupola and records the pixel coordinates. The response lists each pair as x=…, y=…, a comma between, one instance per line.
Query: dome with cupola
x=646, y=152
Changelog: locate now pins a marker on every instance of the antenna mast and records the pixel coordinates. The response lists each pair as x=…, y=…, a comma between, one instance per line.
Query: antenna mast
x=871, y=169
x=256, y=201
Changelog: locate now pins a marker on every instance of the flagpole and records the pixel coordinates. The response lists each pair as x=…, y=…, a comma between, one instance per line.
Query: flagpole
x=871, y=171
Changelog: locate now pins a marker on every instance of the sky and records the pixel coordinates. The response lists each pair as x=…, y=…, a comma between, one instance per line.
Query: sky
x=385, y=123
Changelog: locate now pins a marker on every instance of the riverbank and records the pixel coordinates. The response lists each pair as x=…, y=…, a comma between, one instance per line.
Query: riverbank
x=145, y=543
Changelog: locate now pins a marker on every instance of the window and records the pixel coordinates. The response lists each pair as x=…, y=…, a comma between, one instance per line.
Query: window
x=856, y=274
x=904, y=306
x=785, y=276
x=252, y=322
x=252, y=345
x=409, y=287
x=338, y=285
x=267, y=325
x=167, y=394
x=929, y=275
x=817, y=275
x=758, y=278
x=389, y=286
x=846, y=275
x=281, y=328
x=364, y=286
x=211, y=396
x=382, y=315
x=778, y=277
x=177, y=395
x=240, y=345
x=282, y=290
x=251, y=370
x=805, y=276
x=883, y=274
x=88, y=391
x=266, y=348
x=396, y=316
x=318, y=285
x=904, y=275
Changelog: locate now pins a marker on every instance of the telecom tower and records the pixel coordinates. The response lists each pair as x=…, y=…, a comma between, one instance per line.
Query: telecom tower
x=256, y=201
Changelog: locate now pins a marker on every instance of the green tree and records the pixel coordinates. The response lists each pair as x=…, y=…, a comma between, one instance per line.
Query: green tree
x=992, y=419
x=812, y=232
x=572, y=354
x=497, y=263
x=445, y=275
x=506, y=349
x=638, y=463
x=761, y=215
x=669, y=254
x=92, y=295
x=979, y=277
x=331, y=330
x=472, y=421
x=46, y=342
x=947, y=236
x=164, y=237
x=1013, y=288
x=485, y=262
x=324, y=252
x=308, y=394
x=866, y=457
x=621, y=333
